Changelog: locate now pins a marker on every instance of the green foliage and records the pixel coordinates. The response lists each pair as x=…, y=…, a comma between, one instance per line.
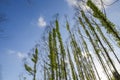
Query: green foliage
x=33, y=70
x=109, y=26
x=75, y=62
x=28, y=68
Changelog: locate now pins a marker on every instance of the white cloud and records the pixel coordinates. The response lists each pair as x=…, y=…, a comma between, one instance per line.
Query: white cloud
x=11, y=51
x=72, y=2
x=41, y=22
x=19, y=54
x=83, y=4
x=108, y=1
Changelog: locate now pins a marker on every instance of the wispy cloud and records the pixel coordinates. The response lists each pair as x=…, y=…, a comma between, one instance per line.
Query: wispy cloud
x=11, y=51
x=72, y=2
x=19, y=54
x=41, y=22
x=83, y=4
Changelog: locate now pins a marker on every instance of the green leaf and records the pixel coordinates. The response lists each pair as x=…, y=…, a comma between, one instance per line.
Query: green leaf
x=36, y=51
x=28, y=68
x=34, y=60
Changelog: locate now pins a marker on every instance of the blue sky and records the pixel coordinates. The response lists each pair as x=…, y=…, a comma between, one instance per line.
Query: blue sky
x=24, y=26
